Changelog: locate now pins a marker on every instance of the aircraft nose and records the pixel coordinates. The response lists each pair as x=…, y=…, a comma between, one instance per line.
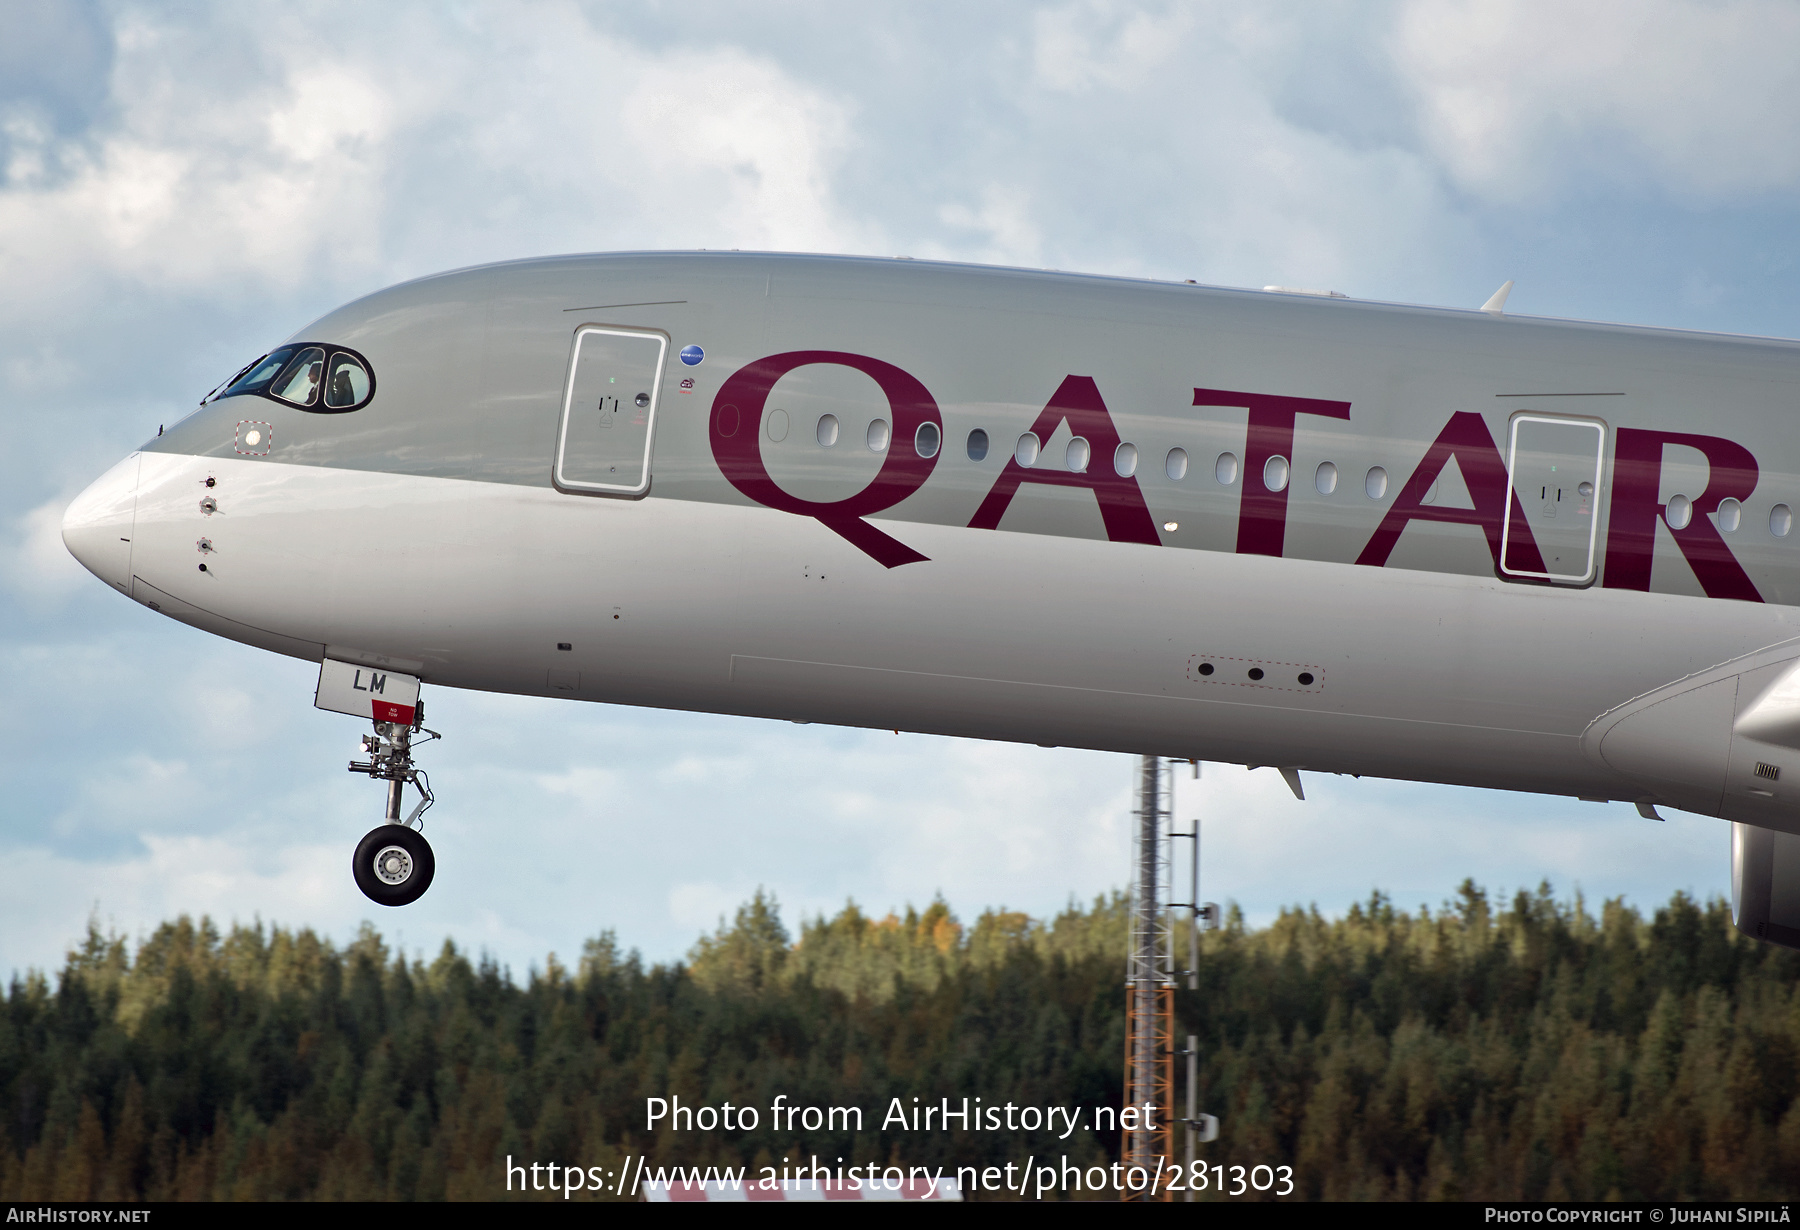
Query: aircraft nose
x=97, y=527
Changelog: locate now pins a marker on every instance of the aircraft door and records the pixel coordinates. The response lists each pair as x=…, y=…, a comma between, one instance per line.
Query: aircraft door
x=1554, y=467
x=609, y=411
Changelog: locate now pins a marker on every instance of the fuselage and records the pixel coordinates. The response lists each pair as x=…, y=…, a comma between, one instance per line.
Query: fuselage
x=1161, y=518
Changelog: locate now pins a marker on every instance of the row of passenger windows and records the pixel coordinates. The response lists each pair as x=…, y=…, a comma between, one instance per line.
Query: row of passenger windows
x=1276, y=472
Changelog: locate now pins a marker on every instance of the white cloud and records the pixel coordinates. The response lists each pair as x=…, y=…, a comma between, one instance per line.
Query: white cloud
x=36, y=564
x=325, y=161
x=229, y=878
x=1153, y=141
x=728, y=135
x=1079, y=46
x=1005, y=223
x=1523, y=96
x=199, y=183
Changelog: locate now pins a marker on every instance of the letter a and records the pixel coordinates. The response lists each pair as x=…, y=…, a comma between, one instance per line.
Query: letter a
x=1122, y=508
x=1466, y=438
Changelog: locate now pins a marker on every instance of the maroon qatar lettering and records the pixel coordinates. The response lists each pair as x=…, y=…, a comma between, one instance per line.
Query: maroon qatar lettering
x=1077, y=402
x=1262, y=513
x=1636, y=511
x=1466, y=438
x=740, y=401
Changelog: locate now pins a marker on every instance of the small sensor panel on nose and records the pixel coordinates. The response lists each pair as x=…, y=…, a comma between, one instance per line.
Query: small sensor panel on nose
x=254, y=438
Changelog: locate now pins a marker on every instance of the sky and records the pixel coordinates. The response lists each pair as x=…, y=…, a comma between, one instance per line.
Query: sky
x=183, y=185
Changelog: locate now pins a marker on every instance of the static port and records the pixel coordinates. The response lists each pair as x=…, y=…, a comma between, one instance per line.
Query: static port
x=1306, y=679
x=1256, y=672
x=1206, y=668
x=564, y=646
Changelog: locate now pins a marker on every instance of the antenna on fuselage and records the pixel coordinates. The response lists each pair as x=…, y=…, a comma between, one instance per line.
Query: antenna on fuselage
x=1496, y=304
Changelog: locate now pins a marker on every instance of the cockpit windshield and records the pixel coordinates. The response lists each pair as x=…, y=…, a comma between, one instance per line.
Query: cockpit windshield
x=299, y=380
x=256, y=377
x=297, y=374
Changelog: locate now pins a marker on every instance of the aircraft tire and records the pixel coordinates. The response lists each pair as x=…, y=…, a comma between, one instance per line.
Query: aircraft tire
x=393, y=865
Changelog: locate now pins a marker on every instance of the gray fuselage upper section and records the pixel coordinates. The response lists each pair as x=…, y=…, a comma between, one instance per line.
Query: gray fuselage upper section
x=1267, y=528
x=472, y=368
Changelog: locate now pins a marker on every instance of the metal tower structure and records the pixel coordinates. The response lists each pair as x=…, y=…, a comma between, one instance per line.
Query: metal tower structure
x=1150, y=991
x=1150, y=976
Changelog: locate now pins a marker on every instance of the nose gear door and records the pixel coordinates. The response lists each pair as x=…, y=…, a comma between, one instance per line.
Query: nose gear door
x=609, y=411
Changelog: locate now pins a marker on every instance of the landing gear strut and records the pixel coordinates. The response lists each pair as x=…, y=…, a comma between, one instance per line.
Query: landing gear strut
x=393, y=864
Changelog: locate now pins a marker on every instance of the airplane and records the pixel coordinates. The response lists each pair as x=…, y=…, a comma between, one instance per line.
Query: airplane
x=1279, y=528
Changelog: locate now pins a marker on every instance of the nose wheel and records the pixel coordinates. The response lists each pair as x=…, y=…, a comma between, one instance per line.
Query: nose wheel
x=393, y=863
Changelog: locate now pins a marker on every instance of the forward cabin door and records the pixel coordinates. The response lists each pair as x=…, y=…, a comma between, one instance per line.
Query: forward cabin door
x=609, y=411
x=1554, y=465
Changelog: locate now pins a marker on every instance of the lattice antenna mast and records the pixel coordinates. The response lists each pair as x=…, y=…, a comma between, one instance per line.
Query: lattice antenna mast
x=1149, y=989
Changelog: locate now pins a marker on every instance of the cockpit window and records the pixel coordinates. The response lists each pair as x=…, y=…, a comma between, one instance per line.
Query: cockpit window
x=299, y=380
x=348, y=384
x=256, y=377
x=321, y=378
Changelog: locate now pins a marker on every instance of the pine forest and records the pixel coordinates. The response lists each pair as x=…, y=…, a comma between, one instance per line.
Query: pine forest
x=1519, y=1050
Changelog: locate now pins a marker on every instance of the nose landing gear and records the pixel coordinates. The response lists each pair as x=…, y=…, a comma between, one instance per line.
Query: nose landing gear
x=393, y=864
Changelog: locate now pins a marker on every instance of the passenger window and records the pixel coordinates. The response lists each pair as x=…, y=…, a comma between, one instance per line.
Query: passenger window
x=1175, y=465
x=1678, y=512
x=348, y=383
x=299, y=381
x=978, y=444
x=926, y=440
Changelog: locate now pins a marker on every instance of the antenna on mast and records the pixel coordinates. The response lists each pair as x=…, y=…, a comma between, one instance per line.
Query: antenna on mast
x=1149, y=995
x=1150, y=978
